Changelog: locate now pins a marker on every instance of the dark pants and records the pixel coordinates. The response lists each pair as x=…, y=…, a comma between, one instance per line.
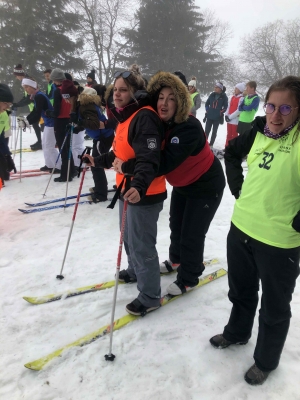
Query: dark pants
x=37, y=131
x=60, y=131
x=189, y=222
x=215, y=125
x=248, y=262
x=243, y=127
x=100, y=181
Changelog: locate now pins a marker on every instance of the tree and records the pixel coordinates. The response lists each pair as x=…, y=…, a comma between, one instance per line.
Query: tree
x=272, y=52
x=36, y=33
x=101, y=22
x=170, y=35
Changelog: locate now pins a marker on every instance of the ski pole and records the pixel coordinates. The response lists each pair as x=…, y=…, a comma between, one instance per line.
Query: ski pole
x=21, y=154
x=14, y=129
x=69, y=162
x=53, y=169
x=60, y=276
x=110, y=356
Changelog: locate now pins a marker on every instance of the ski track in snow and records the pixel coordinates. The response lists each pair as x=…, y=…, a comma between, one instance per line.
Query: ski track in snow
x=164, y=356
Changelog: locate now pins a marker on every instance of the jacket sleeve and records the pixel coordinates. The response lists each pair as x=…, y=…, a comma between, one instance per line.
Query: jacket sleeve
x=237, y=112
x=236, y=150
x=105, y=160
x=253, y=106
x=189, y=137
x=207, y=103
x=225, y=104
x=145, y=137
x=23, y=102
x=36, y=113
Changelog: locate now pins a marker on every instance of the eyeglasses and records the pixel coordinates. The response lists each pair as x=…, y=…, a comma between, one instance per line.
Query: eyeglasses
x=284, y=109
x=124, y=74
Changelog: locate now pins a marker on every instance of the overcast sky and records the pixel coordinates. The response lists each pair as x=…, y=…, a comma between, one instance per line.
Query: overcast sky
x=247, y=16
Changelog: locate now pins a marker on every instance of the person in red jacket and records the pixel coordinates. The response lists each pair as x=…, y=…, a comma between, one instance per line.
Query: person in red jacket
x=232, y=113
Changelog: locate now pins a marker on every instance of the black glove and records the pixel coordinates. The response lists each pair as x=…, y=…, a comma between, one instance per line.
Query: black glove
x=13, y=107
x=227, y=119
x=221, y=120
x=296, y=222
x=77, y=129
x=49, y=113
x=205, y=118
x=10, y=165
x=74, y=117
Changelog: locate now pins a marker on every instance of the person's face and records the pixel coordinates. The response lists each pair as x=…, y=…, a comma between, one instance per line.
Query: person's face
x=217, y=89
x=122, y=94
x=4, y=106
x=237, y=91
x=57, y=83
x=166, y=104
x=30, y=90
x=19, y=77
x=47, y=76
x=192, y=89
x=249, y=90
x=89, y=80
x=276, y=121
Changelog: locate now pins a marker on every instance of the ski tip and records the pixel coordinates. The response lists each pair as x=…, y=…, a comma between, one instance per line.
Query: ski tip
x=34, y=366
x=32, y=300
x=23, y=211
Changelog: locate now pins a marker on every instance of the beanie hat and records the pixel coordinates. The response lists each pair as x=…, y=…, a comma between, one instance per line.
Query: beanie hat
x=18, y=70
x=91, y=74
x=29, y=82
x=181, y=76
x=68, y=76
x=57, y=75
x=192, y=83
x=6, y=95
x=219, y=85
x=68, y=89
x=241, y=86
x=89, y=91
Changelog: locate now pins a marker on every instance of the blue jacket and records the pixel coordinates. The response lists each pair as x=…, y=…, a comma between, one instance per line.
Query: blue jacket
x=216, y=105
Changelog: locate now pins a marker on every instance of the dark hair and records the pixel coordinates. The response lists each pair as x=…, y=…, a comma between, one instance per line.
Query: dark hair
x=68, y=76
x=181, y=76
x=134, y=81
x=101, y=89
x=252, y=84
x=47, y=71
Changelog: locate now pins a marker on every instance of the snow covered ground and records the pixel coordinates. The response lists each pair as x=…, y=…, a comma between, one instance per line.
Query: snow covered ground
x=165, y=355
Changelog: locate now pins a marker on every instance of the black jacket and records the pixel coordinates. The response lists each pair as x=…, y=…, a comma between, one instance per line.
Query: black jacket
x=238, y=149
x=41, y=104
x=145, y=125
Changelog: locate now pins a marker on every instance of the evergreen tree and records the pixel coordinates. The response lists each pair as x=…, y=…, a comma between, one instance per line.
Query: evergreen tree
x=37, y=34
x=170, y=36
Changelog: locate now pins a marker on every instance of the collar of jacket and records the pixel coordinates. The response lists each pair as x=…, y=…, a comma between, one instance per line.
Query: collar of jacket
x=259, y=124
x=141, y=100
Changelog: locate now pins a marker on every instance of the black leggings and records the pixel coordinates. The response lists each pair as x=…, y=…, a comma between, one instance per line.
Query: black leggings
x=215, y=125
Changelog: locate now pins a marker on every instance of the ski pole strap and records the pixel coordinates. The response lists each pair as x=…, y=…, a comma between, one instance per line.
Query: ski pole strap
x=127, y=180
x=87, y=150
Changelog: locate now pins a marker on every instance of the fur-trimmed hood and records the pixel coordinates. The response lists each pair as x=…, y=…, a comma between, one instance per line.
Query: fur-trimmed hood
x=166, y=79
x=88, y=99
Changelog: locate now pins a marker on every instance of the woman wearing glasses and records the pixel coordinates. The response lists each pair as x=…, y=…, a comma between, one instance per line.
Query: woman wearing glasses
x=263, y=241
x=138, y=135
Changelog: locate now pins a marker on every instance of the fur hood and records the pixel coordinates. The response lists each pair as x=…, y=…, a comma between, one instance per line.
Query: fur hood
x=166, y=79
x=88, y=99
x=108, y=92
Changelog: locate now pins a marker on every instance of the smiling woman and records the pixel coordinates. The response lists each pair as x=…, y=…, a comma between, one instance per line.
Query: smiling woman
x=264, y=242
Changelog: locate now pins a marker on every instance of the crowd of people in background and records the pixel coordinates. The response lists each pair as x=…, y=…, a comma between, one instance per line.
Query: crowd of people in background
x=149, y=134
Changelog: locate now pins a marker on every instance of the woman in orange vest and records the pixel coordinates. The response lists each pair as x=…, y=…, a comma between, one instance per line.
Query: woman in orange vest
x=138, y=135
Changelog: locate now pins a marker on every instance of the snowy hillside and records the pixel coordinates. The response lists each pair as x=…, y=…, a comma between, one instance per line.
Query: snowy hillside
x=164, y=356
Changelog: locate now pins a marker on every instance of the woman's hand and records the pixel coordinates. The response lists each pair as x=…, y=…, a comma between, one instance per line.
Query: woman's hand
x=117, y=165
x=132, y=195
x=91, y=162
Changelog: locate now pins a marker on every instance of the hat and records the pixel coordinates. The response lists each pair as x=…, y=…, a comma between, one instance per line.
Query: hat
x=68, y=89
x=89, y=91
x=241, y=86
x=6, y=95
x=181, y=76
x=57, y=75
x=192, y=83
x=91, y=74
x=29, y=82
x=219, y=85
x=18, y=70
x=68, y=76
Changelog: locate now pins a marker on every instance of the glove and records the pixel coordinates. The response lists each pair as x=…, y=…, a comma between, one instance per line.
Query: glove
x=49, y=113
x=227, y=119
x=74, y=117
x=221, y=120
x=205, y=118
x=296, y=222
x=22, y=123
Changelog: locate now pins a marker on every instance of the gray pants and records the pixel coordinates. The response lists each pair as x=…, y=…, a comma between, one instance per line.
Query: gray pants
x=139, y=242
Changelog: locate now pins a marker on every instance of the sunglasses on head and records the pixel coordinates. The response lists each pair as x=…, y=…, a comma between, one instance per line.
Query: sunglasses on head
x=124, y=74
x=284, y=109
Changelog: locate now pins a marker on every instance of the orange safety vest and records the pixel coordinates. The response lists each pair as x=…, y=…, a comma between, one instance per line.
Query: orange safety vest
x=124, y=151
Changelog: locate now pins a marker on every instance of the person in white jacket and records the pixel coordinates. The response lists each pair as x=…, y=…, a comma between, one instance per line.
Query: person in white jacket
x=232, y=113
